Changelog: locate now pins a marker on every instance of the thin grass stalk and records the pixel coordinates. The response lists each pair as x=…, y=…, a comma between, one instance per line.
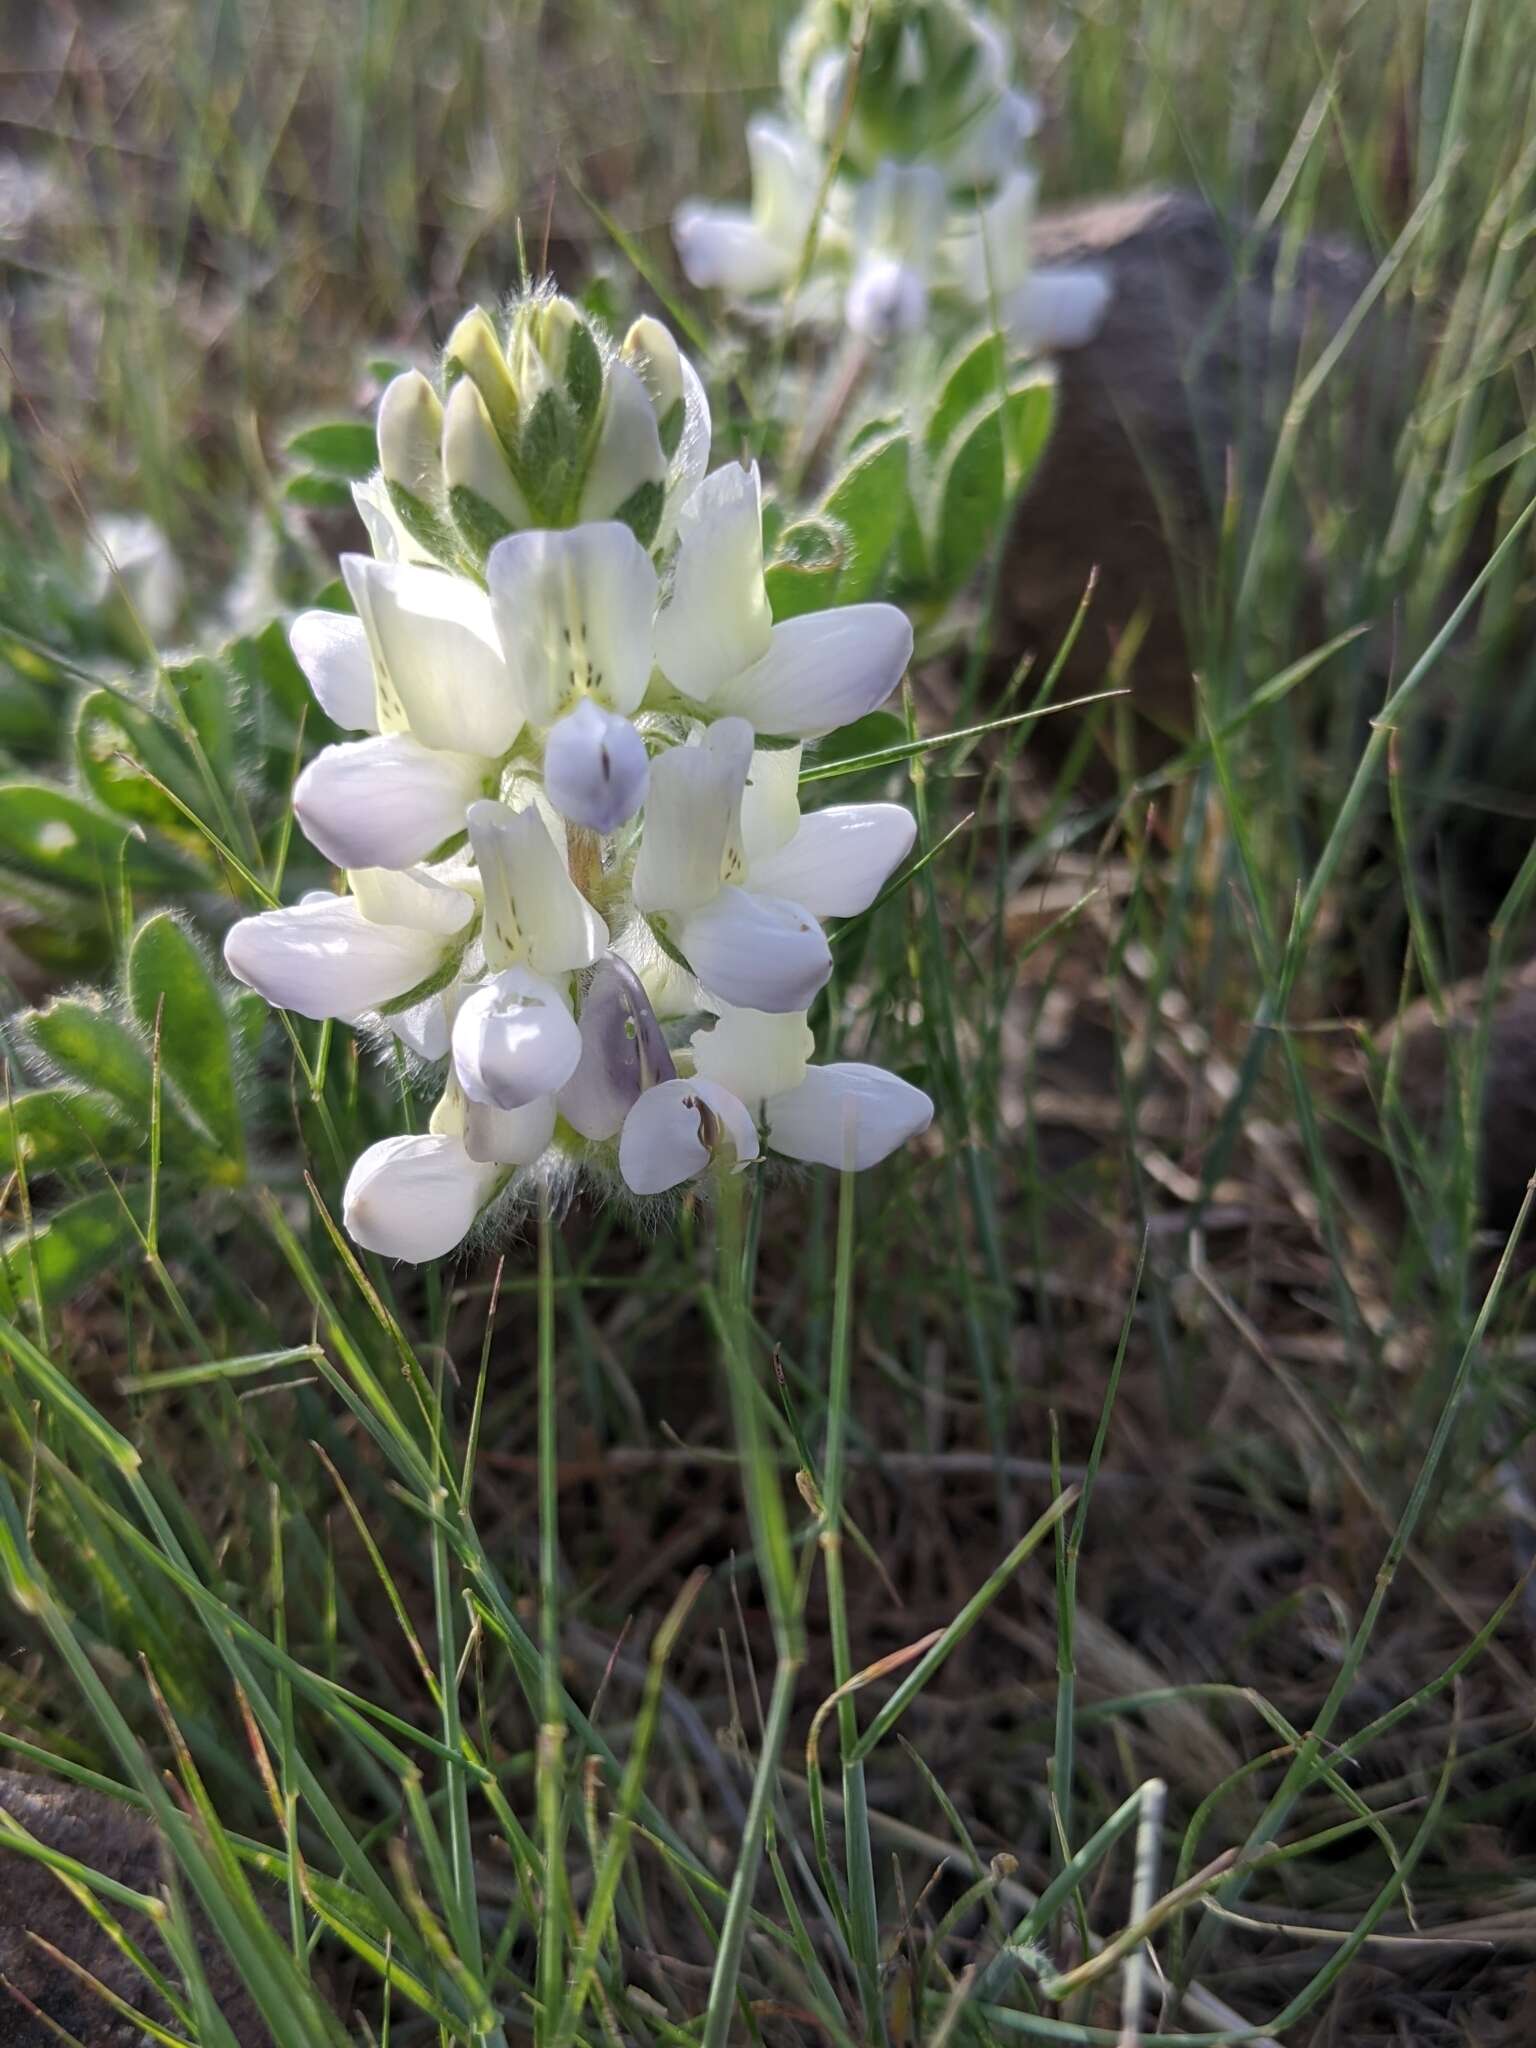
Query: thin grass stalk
x=550, y=1799
x=1305, y=1767
x=863, y=1906
x=730, y=1312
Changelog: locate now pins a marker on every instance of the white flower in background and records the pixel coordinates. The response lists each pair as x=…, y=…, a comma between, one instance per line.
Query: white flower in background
x=915, y=154
x=569, y=806
x=129, y=560
x=747, y=251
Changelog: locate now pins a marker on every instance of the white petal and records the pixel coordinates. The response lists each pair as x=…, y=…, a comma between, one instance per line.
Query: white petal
x=1060, y=306
x=412, y=898
x=574, y=612
x=514, y=1040
x=840, y=859
x=754, y=1054
x=415, y=1198
x=422, y=1029
x=384, y=802
x=716, y=621
x=410, y=433
x=722, y=248
x=822, y=670
x=847, y=1114
x=388, y=538
x=989, y=256
x=622, y=1052
x=628, y=452
x=691, y=457
x=770, y=805
x=787, y=171
x=332, y=650
x=323, y=958
x=510, y=1137
x=651, y=351
x=663, y=1142
x=692, y=819
x=440, y=668
x=886, y=300
x=757, y=952
x=595, y=768
x=473, y=457
x=534, y=913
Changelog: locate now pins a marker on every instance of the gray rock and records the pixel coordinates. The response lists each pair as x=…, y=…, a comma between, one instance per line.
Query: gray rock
x=121, y=1844
x=1177, y=397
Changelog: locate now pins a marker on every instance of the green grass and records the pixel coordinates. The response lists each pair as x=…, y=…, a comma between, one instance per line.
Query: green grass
x=1075, y=1571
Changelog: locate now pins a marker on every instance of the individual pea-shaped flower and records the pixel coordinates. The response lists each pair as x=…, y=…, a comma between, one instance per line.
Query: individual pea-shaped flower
x=749, y=250
x=347, y=956
x=515, y=1039
x=717, y=645
x=846, y=1114
x=417, y=1197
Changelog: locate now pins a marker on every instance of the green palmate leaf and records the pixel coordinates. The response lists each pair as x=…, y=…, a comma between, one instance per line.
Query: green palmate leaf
x=61, y=1255
x=266, y=668
x=869, y=503
x=167, y=973
x=50, y=1129
x=973, y=378
x=811, y=556
x=990, y=460
x=318, y=493
x=29, y=712
x=89, y=1045
x=115, y=741
x=347, y=448
x=203, y=690
x=48, y=833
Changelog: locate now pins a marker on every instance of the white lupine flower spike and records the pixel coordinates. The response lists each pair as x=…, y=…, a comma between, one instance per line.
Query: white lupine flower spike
x=578, y=882
x=918, y=161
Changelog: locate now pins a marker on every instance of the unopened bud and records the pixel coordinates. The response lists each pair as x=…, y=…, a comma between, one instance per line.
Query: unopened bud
x=482, y=493
x=473, y=351
x=653, y=355
x=627, y=477
x=410, y=429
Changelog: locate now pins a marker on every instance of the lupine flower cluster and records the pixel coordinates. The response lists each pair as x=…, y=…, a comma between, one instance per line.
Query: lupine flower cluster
x=576, y=868
x=900, y=160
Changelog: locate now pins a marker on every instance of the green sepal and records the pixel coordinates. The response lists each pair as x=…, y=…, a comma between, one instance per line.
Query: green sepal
x=583, y=373
x=641, y=512
x=479, y=523
x=421, y=522
x=669, y=431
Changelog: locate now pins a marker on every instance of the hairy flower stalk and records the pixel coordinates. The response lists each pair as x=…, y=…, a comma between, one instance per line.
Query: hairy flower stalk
x=576, y=872
x=899, y=162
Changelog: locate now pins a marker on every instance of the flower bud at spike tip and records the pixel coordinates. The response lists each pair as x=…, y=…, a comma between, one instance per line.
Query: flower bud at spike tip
x=653, y=355
x=595, y=768
x=474, y=460
x=410, y=431
x=473, y=351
